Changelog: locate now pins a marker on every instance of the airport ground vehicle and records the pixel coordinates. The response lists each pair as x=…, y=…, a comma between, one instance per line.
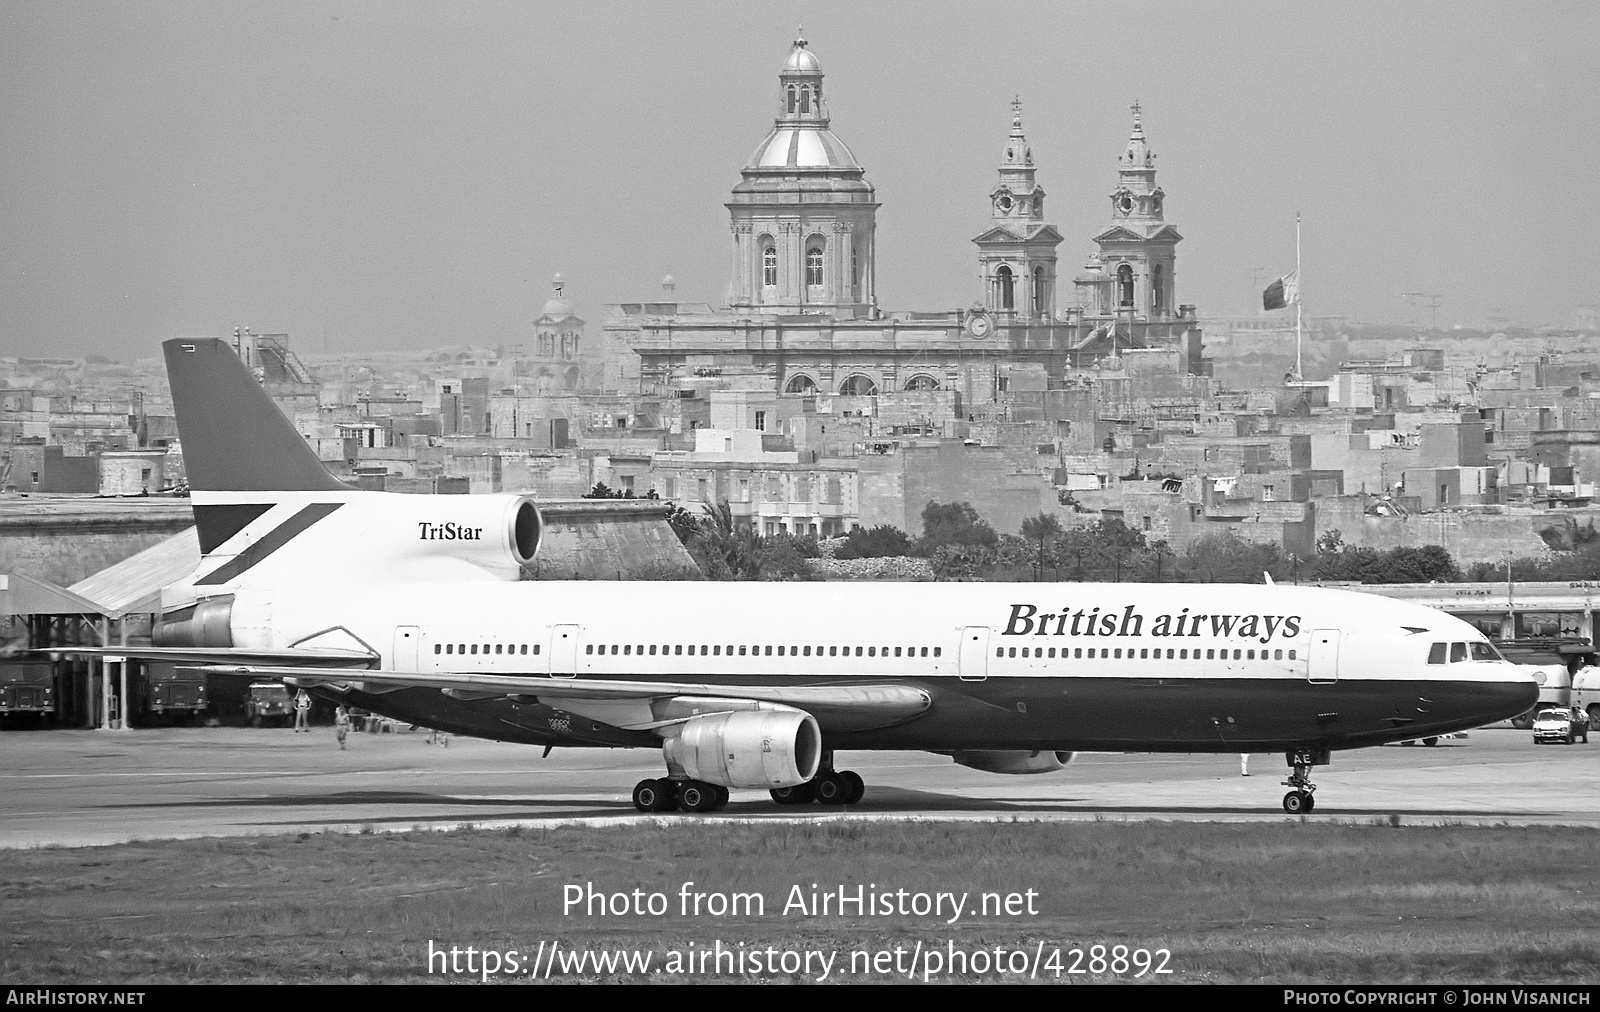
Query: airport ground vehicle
x=177, y=693
x=412, y=606
x=1561, y=724
x=27, y=689
x=1555, y=688
x=268, y=703
x=1586, y=694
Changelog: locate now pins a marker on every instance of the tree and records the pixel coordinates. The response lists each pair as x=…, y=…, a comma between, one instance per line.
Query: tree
x=881, y=542
x=1038, y=528
x=1405, y=564
x=1105, y=550
x=724, y=549
x=683, y=523
x=1330, y=542
x=954, y=524
x=1227, y=558
x=601, y=491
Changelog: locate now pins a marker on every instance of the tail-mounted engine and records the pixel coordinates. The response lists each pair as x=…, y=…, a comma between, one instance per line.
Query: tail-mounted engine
x=1016, y=762
x=768, y=748
x=493, y=530
x=207, y=623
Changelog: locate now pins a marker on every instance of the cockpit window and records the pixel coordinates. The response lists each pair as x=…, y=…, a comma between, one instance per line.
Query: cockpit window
x=1458, y=652
x=1485, y=652
x=1436, y=653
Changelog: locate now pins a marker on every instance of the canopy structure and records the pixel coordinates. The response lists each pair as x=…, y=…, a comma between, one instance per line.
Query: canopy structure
x=23, y=595
x=133, y=585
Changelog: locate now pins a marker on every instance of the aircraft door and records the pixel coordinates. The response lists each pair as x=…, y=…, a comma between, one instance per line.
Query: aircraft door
x=564, y=651
x=1322, y=663
x=407, y=643
x=974, y=653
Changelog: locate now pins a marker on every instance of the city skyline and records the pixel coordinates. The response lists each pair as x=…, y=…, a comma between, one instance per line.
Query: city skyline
x=400, y=177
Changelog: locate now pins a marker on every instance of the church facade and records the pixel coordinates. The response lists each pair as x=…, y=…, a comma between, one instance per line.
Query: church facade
x=802, y=313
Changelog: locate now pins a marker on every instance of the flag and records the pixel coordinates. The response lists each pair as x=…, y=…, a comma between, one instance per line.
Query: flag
x=1283, y=292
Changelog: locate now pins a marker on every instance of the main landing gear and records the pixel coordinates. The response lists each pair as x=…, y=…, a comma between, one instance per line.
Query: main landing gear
x=828, y=787
x=1302, y=794
x=668, y=795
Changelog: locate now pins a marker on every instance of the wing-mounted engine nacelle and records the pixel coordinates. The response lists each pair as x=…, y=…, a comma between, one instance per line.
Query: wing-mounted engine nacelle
x=496, y=532
x=1014, y=762
x=768, y=748
x=206, y=623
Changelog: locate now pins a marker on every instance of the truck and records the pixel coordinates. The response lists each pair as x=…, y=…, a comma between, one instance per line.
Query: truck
x=27, y=690
x=1586, y=693
x=178, y=694
x=268, y=703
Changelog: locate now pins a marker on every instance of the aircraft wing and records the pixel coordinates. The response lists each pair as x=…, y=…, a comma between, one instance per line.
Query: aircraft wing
x=629, y=704
x=212, y=656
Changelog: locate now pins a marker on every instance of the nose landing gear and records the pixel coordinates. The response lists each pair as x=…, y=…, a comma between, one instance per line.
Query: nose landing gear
x=1302, y=792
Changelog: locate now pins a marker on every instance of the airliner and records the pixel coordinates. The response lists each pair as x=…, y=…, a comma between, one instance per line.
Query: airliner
x=416, y=607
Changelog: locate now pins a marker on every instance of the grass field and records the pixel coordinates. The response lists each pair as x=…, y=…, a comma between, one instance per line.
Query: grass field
x=1286, y=902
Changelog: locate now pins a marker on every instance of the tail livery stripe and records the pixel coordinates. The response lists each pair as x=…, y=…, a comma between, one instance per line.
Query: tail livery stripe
x=218, y=522
x=274, y=540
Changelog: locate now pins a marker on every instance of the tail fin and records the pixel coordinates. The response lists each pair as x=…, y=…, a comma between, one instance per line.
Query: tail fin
x=235, y=439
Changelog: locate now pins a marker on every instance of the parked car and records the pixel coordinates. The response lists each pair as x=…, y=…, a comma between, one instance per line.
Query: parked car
x=1561, y=723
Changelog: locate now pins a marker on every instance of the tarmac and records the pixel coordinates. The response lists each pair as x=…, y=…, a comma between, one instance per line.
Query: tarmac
x=89, y=788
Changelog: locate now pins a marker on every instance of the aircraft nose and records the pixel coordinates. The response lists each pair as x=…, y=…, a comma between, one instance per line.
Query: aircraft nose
x=1515, y=696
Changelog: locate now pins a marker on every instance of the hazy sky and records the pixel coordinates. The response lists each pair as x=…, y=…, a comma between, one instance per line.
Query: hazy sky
x=407, y=174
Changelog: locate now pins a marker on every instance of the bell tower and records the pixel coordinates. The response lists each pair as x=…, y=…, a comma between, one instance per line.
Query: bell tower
x=1139, y=251
x=1017, y=253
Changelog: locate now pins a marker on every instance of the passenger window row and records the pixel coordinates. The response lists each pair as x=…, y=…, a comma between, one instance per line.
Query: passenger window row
x=746, y=650
x=472, y=648
x=1146, y=653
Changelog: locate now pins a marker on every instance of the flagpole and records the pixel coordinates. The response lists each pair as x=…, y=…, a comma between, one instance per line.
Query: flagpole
x=1297, y=373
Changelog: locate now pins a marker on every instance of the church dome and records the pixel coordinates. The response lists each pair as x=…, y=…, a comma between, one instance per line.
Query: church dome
x=801, y=60
x=802, y=147
x=800, y=138
x=559, y=308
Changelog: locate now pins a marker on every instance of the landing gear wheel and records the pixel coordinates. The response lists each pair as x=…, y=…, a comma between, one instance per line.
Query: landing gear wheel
x=858, y=787
x=1299, y=800
x=801, y=794
x=722, y=798
x=695, y=796
x=1430, y=742
x=655, y=796
x=832, y=789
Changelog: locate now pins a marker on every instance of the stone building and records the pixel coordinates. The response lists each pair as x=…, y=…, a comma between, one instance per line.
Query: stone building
x=802, y=312
x=551, y=362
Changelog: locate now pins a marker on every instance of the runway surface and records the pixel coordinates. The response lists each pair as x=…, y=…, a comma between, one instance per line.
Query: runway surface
x=70, y=788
